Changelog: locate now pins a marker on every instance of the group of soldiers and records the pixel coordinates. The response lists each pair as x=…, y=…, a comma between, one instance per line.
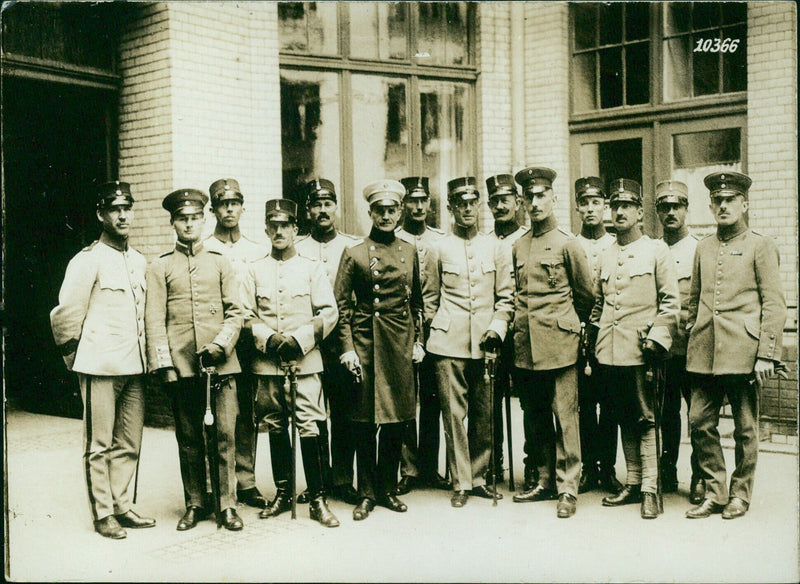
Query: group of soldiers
x=388, y=335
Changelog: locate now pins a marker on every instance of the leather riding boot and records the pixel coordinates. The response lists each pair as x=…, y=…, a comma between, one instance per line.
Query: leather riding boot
x=281, y=454
x=313, y=466
x=669, y=477
x=628, y=495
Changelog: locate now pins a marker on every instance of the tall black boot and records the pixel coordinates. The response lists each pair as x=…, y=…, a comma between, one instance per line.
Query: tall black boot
x=281, y=454
x=313, y=465
x=327, y=478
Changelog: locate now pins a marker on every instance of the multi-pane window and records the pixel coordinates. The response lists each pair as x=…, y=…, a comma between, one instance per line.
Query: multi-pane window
x=610, y=55
x=704, y=48
x=376, y=90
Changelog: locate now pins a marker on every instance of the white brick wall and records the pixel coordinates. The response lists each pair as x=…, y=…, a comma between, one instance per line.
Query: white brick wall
x=772, y=132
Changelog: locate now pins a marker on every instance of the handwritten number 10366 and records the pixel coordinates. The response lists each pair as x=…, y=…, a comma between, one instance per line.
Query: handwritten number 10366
x=716, y=45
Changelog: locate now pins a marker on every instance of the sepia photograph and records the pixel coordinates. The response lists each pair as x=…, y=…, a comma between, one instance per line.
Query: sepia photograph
x=372, y=291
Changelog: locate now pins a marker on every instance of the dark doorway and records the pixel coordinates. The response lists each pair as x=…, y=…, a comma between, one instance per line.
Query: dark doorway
x=56, y=141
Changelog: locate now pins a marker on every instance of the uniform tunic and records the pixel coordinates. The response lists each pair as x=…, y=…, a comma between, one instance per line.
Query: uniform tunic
x=594, y=248
x=101, y=306
x=380, y=325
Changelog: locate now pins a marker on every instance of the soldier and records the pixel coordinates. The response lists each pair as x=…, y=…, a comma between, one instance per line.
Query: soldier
x=504, y=204
x=471, y=316
x=553, y=281
x=98, y=327
x=598, y=429
x=193, y=314
x=672, y=203
x=736, y=315
x=325, y=244
x=227, y=204
x=420, y=460
x=633, y=321
x=379, y=296
x=289, y=309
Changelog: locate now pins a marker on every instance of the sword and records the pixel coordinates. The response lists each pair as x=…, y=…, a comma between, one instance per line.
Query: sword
x=489, y=362
x=290, y=385
x=210, y=439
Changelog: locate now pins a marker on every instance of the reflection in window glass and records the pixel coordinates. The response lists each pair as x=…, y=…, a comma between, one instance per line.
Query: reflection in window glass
x=447, y=139
x=377, y=30
x=309, y=131
x=380, y=136
x=456, y=37
x=696, y=155
x=292, y=26
x=431, y=41
x=308, y=27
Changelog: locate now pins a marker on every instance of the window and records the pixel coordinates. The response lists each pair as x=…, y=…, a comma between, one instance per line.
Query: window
x=376, y=90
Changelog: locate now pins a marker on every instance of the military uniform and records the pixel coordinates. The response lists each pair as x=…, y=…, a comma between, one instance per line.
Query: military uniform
x=476, y=296
x=598, y=428
x=503, y=184
x=677, y=381
x=288, y=296
x=636, y=297
x=737, y=312
x=99, y=327
x=420, y=456
x=193, y=300
x=553, y=295
x=327, y=249
x=379, y=296
x=240, y=251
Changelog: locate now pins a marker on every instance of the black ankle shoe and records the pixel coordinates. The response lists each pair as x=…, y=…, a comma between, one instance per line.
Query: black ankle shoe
x=280, y=504
x=627, y=496
x=319, y=511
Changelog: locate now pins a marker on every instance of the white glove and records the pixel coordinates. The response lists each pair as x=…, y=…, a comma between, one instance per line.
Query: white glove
x=418, y=353
x=350, y=361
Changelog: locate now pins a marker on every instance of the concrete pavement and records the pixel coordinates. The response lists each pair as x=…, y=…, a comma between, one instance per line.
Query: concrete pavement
x=50, y=536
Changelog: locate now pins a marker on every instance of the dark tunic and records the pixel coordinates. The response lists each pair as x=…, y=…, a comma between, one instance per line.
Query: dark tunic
x=379, y=298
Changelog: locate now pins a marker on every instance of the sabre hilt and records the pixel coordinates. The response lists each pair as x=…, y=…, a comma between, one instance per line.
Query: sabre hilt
x=587, y=369
x=208, y=418
x=489, y=360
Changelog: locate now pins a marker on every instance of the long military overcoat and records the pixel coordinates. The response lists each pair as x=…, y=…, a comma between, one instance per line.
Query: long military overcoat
x=381, y=325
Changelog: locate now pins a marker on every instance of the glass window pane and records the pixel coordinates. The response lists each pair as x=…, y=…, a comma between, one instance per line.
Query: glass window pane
x=309, y=130
x=585, y=25
x=677, y=68
x=584, y=82
x=706, y=72
x=393, y=31
x=430, y=45
x=456, y=15
x=323, y=28
x=447, y=139
x=734, y=65
x=637, y=74
x=705, y=15
x=637, y=21
x=292, y=26
x=696, y=155
x=380, y=137
x=611, y=77
x=363, y=30
x=734, y=12
x=610, y=23
x=677, y=17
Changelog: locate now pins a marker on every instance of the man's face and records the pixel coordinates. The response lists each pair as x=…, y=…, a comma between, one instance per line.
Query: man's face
x=281, y=233
x=728, y=209
x=322, y=213
x=540, y=205
x=672, y=215
x=591, y=209
x=228, y=213
x=417, y=207
x=116, y=219
x=189, y=226
x=626, y=215
x=465, y=212
x=384, y=217
x=504, y=207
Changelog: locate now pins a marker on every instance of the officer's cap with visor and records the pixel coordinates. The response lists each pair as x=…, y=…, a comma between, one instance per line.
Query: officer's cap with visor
x=225, y=189
x=280, y=211
x=185, y=202
x=464, y=188
x=726, y=184
x=384, y=192
x=416, y=187
x=113, y=193
x=624, y=190
x=318, y=189
x=589, y=186
x=500, y=184
x=672, y=191
x=535, y=179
